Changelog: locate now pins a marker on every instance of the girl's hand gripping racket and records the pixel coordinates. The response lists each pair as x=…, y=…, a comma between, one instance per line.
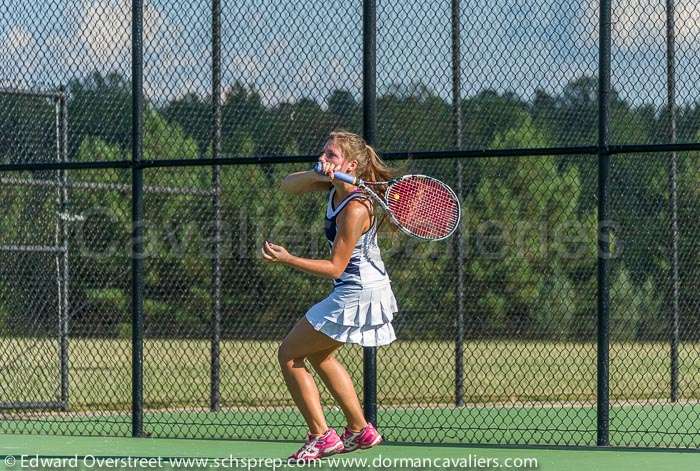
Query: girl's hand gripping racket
x=421, y=206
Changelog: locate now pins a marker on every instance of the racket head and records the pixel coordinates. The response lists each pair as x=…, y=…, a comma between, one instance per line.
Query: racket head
x=423, y=207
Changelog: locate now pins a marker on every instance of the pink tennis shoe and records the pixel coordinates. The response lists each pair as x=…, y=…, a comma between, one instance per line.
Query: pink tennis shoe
x=319, y=447
x=365, y=438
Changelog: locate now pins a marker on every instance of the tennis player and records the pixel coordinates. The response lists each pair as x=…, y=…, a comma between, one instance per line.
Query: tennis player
x=359, y=309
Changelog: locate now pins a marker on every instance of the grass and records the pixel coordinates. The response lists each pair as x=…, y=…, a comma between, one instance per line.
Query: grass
x=534, y=392
x=176, y=372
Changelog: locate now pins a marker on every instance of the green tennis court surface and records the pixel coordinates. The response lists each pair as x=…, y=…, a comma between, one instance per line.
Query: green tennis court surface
x=630, y=425
x=104, y=453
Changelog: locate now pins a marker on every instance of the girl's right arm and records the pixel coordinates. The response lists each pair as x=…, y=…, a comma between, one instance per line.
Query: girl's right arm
x=302, y=182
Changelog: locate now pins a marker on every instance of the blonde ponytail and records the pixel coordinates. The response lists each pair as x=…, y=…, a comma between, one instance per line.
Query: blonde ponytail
x=375, y=170
x=370, y=166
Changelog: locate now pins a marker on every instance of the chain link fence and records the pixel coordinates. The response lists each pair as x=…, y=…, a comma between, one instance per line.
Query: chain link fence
x=498, y=338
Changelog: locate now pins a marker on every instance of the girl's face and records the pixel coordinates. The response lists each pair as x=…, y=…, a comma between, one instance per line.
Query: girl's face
x=334, y=155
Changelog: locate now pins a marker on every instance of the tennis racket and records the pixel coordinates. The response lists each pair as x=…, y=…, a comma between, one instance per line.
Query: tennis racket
x=420, y=206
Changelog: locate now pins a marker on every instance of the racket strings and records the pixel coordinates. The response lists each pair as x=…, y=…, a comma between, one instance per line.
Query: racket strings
x=424, y=206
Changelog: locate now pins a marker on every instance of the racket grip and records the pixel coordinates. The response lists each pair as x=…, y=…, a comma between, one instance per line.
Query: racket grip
x=343, y=177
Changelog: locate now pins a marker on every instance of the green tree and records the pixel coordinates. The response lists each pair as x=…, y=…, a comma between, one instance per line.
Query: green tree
x=635, y=311
x=414, y=118
x=27, y=129
x=523, y=212
x=345, y=111
x=192, y=114
x=689, y=243
x=99, y=106
x=488, y=114
x=171, y=233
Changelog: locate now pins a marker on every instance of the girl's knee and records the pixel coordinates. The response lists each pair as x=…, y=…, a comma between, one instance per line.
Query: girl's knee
x=286, y=358
x=282, y=355
x=319, y=358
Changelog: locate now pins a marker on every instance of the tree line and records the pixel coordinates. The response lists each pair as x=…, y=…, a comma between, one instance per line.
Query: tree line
x=529, y=224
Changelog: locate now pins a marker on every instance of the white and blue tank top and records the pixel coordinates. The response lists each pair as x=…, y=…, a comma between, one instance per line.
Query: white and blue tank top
x=365, y=267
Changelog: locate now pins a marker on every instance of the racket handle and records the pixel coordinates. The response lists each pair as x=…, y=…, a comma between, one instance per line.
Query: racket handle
x=343, y=177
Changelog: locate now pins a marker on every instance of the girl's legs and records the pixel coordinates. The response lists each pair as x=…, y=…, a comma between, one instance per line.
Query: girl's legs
x=339, y=383
x=301, y=342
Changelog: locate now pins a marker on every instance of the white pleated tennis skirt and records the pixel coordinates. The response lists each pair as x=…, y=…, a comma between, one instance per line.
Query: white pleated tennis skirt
x=357, y=314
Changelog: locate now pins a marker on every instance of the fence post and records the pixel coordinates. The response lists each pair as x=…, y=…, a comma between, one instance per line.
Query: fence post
x=673, y=187
x=137, y=218
x=457, y=240
x=215, y=387
x=603, y=288
x=369, y=126
x=64, y=276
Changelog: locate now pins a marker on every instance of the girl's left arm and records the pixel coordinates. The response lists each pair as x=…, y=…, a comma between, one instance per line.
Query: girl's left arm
x=352, y=222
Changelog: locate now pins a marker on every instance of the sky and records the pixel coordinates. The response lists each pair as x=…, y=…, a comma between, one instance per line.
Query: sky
x=290, y=49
